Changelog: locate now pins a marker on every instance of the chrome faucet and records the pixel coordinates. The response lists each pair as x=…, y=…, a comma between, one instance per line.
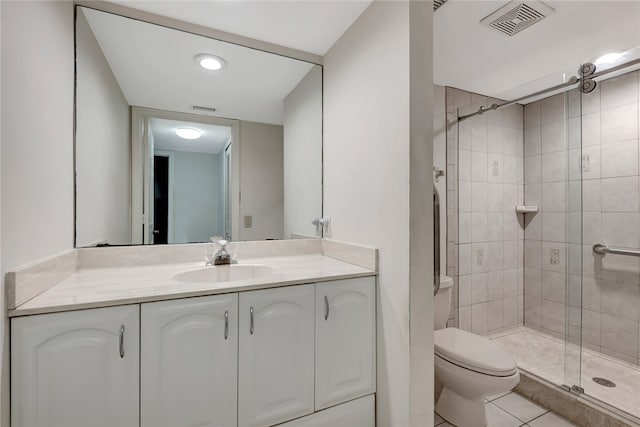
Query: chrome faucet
x=221, y=257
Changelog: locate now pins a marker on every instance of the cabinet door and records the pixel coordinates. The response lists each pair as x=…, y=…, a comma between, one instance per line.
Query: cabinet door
x=357, y=413
x=345, y=340
x=76, y=369
x=276, y=355
x=189, y=351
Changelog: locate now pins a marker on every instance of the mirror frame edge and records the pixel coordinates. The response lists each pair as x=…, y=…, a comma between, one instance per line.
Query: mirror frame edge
x=199, y=30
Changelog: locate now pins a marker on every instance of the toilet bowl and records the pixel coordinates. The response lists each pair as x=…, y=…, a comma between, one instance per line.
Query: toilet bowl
x=468, y=366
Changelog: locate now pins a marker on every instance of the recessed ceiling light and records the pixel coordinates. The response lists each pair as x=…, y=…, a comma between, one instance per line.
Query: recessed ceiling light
x=210, y=62
x=609, y=58
x=188, y=133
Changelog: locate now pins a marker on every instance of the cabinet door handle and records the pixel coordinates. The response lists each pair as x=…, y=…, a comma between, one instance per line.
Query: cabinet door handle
x=226, y=325
x=326, y=307
x=251, y=320
x=121, y=341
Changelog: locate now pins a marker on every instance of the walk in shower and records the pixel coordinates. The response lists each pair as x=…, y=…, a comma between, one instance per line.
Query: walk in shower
x=533, y=185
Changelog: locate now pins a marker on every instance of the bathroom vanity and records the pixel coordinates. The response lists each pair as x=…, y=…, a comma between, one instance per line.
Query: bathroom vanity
x=120, y=335
x=290, y=339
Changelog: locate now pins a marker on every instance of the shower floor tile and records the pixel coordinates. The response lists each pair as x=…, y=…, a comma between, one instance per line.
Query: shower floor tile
x=545, y=356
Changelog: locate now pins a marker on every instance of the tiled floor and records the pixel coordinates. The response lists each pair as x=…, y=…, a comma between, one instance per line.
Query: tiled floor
x=513, y=410
x=557, y=362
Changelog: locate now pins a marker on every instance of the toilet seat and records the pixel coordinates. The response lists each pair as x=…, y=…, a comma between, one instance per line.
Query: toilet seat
x=473, y=352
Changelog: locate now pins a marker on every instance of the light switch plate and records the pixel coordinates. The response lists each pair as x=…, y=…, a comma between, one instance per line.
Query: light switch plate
x=248, y=221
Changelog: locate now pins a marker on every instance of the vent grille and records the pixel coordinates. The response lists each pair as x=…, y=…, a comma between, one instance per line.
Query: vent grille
x=202, y=108
x=517, y=16
x=437, y=4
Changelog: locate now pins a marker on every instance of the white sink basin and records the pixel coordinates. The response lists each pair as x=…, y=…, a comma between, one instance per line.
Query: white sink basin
x=224, y=273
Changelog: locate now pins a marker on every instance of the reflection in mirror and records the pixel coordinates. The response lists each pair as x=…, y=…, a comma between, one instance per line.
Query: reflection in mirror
x=174, y=147
x=187, y=195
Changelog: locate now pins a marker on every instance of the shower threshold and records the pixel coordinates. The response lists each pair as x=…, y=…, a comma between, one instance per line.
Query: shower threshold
x=547, y=357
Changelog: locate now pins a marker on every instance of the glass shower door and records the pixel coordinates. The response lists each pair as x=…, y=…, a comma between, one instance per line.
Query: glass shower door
x=572, y=268
x=553, y=236
x=604, y=291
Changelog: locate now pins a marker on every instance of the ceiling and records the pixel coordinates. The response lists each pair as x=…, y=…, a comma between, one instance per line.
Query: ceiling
x=155, y=67
x=467, y=54
x=310, y=26
x=213, y=137
x=470, y=56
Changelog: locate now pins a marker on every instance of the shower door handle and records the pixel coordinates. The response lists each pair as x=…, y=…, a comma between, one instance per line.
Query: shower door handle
x=436, y=240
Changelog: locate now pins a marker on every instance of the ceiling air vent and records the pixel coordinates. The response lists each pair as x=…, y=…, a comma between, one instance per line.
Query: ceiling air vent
x=516, y=16
x=437, y=4
x=201, y=108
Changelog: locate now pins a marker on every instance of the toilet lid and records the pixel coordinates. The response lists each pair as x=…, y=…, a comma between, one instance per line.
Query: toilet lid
x=473, y=352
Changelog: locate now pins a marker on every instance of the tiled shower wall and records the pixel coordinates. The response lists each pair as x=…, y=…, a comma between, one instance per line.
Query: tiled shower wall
x=485, y=235
x=546, y=165
x=609, y=162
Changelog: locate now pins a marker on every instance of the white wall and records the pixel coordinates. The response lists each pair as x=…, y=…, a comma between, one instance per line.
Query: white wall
x=366, y=176
x=197, y=199
x=37, y=136
x=261, y=180
x=421, y=241
x=302, y=120
x=103, y=175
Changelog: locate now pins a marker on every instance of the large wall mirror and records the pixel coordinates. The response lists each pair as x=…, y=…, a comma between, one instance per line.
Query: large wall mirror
x=181, y=137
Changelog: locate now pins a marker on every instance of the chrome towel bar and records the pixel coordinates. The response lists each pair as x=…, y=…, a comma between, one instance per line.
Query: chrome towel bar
x=603, y=250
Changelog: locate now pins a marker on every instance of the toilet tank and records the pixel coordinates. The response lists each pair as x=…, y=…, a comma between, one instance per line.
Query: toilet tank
x=442, y=303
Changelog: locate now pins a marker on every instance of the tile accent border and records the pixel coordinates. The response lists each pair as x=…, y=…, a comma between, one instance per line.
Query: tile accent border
x=31, y=280
x=573, y=408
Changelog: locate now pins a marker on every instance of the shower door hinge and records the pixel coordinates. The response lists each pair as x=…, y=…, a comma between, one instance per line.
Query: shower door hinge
x=573, y=389
x=577, y=389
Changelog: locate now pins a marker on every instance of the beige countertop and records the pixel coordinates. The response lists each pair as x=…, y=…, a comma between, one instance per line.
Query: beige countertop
x=101, y=287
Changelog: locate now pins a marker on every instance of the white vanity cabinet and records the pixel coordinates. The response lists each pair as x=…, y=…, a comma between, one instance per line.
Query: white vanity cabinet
x=76, y=369
x=345, y=365
x=276, y=355
x=301, y=354
x=189, y=362
x=356, y=413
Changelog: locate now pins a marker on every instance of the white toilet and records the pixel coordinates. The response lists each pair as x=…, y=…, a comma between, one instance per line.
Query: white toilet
x=468, y=366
